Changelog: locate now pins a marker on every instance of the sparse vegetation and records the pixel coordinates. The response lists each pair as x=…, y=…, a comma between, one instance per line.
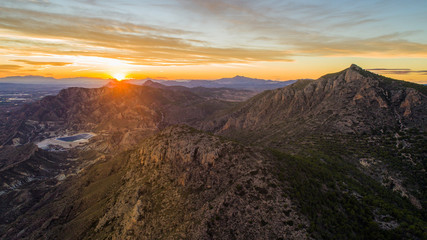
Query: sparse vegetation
x=340, y=200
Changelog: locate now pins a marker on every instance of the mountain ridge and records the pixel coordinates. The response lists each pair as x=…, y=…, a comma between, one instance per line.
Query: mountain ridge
x=237, y=82
x=332, y=104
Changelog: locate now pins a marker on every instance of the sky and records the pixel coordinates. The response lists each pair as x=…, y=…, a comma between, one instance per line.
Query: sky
x=210, y=39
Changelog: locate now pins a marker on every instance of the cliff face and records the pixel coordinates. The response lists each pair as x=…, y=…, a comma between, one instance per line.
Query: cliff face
x=178, y=184
x=351, y=101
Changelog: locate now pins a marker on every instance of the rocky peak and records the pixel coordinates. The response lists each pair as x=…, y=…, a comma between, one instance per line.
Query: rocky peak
x=111, y=84
x=355, y=67
x=150, y=83
x=354, y=73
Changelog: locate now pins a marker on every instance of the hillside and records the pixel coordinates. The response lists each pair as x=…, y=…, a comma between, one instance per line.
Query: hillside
x=121, y=108
x=180, y=183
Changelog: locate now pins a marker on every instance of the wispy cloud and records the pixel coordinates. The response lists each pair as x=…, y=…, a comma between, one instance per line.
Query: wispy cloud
x=386, y=45
x=139, y=44
x=36, y=63
x=398, y=71
x=310, y=29
x=9, y=67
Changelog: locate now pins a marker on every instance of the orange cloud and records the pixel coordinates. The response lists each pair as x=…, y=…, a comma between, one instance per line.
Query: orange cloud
x=9, y=67
x=60, y=64
x=398, y=71
x=383, y=46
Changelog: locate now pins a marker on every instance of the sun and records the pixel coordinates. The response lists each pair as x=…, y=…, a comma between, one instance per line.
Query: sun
x=119, y=76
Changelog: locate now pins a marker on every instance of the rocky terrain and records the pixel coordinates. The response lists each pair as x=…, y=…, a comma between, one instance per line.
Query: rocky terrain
x=181, y=183
x=341, y=157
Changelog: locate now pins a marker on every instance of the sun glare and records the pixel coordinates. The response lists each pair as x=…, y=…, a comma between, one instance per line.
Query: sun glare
x=119, y=76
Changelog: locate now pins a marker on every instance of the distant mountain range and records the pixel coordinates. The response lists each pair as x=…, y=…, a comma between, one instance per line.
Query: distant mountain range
x=66, y=82
x=237, y=82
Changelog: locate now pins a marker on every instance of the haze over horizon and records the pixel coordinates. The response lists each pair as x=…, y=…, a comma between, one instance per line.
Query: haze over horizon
x=195, y=39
